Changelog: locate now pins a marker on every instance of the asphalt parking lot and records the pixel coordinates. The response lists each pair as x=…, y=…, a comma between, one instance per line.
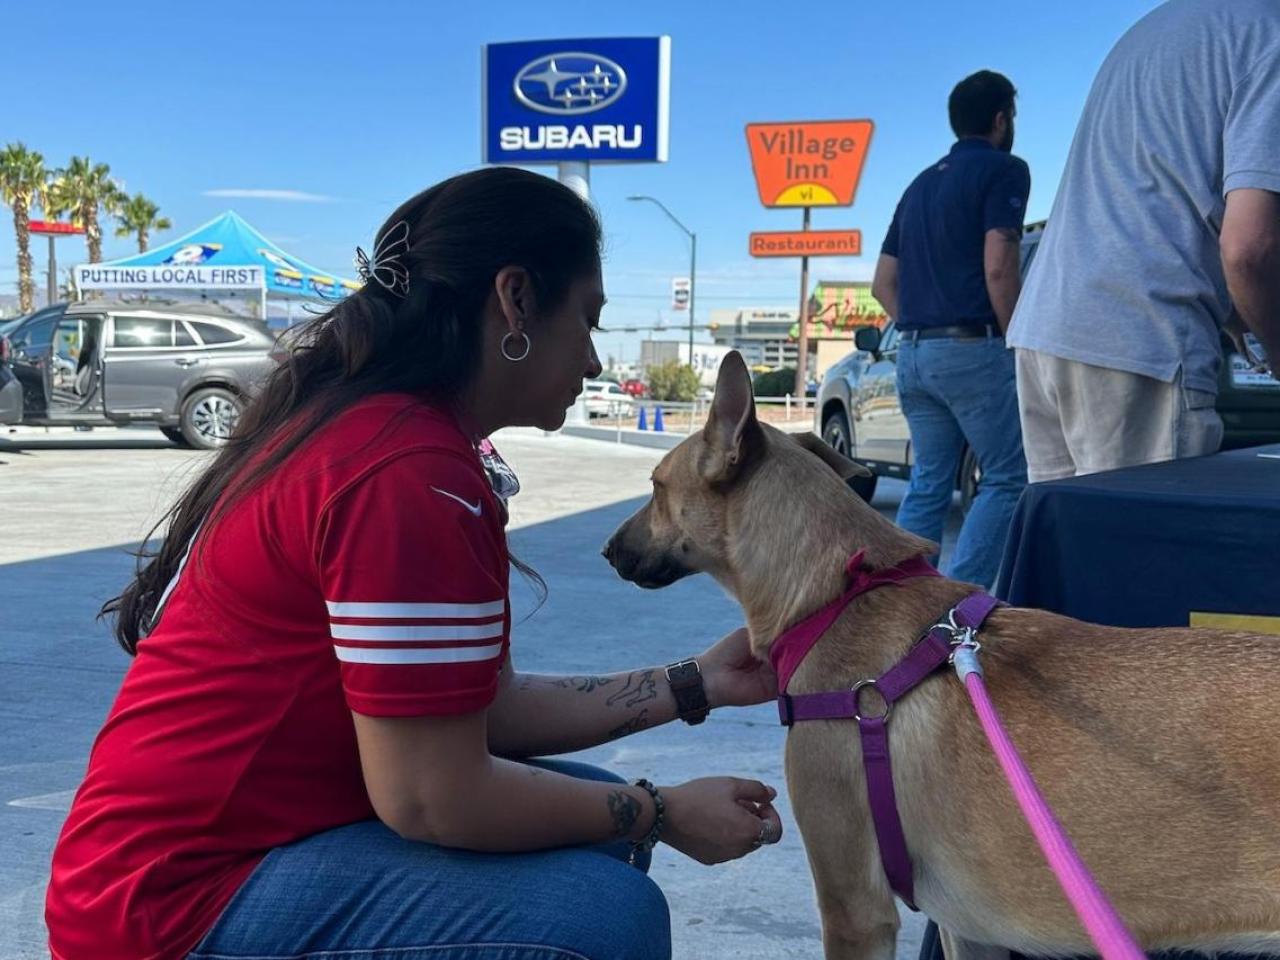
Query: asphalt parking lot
x=75, y=503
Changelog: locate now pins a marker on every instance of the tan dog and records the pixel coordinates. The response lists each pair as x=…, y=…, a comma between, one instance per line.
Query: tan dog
x=1159, y=749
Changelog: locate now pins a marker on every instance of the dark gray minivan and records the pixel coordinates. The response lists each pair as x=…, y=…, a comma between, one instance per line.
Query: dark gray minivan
x=187, y=368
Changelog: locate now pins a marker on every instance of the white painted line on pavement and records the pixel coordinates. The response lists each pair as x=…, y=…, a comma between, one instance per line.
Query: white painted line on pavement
x=46, y=801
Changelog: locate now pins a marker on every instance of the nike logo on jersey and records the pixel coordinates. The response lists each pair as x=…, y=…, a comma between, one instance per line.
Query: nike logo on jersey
x=473, y=508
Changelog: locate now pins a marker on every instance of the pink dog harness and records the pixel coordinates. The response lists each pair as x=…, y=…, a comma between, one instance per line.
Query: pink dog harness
x=934, y=650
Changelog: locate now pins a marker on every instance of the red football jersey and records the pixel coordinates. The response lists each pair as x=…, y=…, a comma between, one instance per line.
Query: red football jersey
x=367, y=573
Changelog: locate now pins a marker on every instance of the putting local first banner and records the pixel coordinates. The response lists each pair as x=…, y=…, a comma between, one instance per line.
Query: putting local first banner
x=97, y=276
x=808, y=163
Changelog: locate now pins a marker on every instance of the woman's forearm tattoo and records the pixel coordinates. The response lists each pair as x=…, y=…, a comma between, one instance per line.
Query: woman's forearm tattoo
x=625, y=809
x=639, y=688
x=634, y=725
x=583, y=684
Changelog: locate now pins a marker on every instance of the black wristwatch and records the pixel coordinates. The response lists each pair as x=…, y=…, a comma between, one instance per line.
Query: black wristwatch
x=685, y=678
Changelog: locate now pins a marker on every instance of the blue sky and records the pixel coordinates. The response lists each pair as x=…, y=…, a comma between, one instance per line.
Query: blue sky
x=351, y=107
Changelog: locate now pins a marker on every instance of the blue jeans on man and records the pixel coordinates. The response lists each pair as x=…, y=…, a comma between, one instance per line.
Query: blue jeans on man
x=958, y=391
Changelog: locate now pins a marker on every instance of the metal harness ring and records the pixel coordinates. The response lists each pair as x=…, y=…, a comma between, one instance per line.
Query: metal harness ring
x=857, y=701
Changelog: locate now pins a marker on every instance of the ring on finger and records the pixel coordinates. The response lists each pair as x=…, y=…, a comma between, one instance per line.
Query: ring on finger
x=766, y=834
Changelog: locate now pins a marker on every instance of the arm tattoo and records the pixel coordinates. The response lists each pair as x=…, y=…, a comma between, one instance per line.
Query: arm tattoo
x=639, y=688
x=583, y=684
x=625, y=809
x=634, y=725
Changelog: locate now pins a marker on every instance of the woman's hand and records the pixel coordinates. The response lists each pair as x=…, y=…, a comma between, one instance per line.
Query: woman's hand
x=733, y=677
x=720, y=818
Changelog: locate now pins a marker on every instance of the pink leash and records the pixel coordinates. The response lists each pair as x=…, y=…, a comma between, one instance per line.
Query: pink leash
x=1101, y=922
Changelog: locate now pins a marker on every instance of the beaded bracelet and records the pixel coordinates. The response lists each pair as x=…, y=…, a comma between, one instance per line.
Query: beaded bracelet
x=650, y=839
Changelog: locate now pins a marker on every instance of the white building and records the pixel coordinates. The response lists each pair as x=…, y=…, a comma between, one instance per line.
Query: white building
x=763, y=335
x=706, y=356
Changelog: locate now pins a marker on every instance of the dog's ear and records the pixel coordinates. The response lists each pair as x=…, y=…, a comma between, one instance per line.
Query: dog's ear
x=841, y=464
x=732, y=432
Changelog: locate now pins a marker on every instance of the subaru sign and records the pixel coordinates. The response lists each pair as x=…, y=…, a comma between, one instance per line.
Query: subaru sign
x=548, y=101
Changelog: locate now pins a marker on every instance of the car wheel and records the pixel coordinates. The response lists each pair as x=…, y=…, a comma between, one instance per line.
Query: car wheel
x=835, y=431
x=970, y=477
x=209, y=416
x=174, y=434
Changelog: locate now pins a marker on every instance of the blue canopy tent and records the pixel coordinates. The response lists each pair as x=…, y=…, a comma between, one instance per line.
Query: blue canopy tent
x=225, y=257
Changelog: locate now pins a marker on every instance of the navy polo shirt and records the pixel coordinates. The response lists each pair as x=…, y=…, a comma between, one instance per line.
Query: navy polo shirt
x=939, y=229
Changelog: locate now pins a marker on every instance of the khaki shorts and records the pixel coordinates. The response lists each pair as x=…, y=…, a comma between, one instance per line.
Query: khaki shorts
x=1079, y=419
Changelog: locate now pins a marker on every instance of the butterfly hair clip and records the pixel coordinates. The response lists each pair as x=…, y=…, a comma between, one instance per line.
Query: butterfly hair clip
x=385, y=266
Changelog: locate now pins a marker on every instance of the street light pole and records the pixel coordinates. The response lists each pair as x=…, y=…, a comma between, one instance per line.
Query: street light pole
x=53, y=274
x=693, y=262
x=693, y=268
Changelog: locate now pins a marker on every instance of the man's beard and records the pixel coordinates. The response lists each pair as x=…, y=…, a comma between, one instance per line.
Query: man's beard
x=1006, y=144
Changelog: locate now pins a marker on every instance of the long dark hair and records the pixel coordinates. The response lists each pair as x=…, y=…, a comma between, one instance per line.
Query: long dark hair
x=461, y=233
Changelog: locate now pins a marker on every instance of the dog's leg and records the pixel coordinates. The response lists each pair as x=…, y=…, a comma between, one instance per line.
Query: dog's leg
x=856, y=931
x=859, y=916
x=958, y=948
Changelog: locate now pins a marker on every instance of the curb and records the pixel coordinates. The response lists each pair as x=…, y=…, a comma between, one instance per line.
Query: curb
x=659, y=441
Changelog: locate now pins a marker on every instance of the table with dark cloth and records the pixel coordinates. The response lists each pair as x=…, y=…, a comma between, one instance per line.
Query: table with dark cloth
x=1148, y=547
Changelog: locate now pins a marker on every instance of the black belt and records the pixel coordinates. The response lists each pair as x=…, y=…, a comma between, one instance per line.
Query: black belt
x=957, y=331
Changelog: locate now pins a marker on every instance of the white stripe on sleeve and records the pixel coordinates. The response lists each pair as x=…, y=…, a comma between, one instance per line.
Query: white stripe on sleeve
x=417, y=611
x=418, y=654
x=411, y=633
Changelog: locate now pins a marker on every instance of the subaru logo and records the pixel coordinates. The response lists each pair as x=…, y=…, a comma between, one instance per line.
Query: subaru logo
x=568, y=83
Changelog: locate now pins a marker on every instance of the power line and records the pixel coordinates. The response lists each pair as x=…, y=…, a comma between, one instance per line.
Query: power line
x=727, y=297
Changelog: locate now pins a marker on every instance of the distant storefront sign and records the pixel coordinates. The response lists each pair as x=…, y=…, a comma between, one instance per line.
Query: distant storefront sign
x=547, y=101
x=53, y=227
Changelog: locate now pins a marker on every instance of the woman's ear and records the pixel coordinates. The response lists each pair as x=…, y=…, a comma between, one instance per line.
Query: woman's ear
x=514, y=288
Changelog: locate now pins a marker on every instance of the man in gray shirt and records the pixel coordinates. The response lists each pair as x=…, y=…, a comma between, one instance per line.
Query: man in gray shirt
x=1165, y=231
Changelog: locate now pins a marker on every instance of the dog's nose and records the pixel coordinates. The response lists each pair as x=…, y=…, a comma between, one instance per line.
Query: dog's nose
x=607, y=550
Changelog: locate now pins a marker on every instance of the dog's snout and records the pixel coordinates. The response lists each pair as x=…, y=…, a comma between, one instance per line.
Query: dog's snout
x=608, y=550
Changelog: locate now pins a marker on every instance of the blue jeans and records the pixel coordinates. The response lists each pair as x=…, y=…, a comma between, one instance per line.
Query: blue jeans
x=953, y=391
x=360, y=892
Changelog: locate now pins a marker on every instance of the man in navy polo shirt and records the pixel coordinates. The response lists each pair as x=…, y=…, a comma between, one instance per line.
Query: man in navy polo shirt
x=948, y=275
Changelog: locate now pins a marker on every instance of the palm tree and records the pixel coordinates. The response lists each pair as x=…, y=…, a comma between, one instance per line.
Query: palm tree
x=84, y=188
x=137, y=215
x=23, y=184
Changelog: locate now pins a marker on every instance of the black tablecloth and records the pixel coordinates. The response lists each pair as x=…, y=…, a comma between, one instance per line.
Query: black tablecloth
x=1146, y=546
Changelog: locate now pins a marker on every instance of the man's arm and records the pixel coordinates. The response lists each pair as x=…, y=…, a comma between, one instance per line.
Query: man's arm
x=1000, y=263
x=884, y=285
x=1251, y=261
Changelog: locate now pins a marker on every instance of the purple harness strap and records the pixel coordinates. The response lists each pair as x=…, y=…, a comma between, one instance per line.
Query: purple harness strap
x=929, y=653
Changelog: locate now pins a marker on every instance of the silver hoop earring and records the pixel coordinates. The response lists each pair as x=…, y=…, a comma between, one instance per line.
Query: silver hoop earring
x=528, y=345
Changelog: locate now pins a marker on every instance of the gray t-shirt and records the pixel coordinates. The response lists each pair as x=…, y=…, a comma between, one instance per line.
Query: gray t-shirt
x=1128, y=275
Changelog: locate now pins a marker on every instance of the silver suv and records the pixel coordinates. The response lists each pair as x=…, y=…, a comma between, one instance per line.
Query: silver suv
x=187, y=368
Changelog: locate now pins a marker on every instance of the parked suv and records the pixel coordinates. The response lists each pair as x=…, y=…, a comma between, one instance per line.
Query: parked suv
x=187, y=368
x=858, y=411
x=10, y=387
